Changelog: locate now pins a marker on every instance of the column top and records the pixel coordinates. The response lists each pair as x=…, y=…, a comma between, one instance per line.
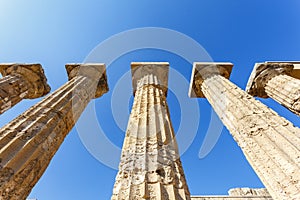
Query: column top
x=95, y=71
x=296, y=70
x=158, y=69
x=263, y=72
x=203, y=70
x=33, y=73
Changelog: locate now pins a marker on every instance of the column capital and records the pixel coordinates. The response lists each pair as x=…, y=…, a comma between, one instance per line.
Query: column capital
x=95, y=71
x=262, y=73
x=32, y=73
x=158, y=69
x=203, y=70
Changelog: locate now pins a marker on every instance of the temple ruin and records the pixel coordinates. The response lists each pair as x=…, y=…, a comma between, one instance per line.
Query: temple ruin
x=150, y=166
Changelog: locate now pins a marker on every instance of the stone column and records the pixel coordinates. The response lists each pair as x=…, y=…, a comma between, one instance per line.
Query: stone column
x=150, y=166
x=28, y=143
x=275, y=80
x=269, y=142
x=21, y=81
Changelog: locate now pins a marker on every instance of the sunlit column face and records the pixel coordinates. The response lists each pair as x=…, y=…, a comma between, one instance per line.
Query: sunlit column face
x=150, y=166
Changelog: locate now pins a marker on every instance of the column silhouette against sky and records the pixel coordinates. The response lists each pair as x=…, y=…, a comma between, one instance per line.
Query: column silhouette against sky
x=28, y=143
x=269, y=142
x=21, y=81
x=150, y=167
x=277, y=80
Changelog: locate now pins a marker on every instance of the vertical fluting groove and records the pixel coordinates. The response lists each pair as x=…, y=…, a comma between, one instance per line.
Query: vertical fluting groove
x=138, y=166
x=35, y=140
x=127, y=153
x=225, y=118
x=34, y=110
x=160, y=132
x=43, y=128
x=150, y=128
x=293, y=141
x=25, y=127
x=153, y=165
x=268, y=140
x=285, y=90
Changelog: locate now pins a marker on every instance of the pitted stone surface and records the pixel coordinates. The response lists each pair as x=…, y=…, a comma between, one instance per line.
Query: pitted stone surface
x=21, y=81
x=28, y=143
x=150, y=166
x=269, y=142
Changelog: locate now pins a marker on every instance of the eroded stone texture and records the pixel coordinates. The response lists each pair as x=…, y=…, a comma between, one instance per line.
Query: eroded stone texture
x=28, y=143
x=274, y=80
x=21, y=81
x=150, y=166
x=263, y=192
x=239, y=194
x=269, y=142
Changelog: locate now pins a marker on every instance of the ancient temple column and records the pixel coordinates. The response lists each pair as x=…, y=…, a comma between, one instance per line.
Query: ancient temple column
x=28, y=143
x=270, y=143
x=21, y=81
x=275, y=80
x=150, y=166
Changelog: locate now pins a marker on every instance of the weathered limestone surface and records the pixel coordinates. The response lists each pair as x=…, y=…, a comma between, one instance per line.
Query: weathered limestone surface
x=275, y=80
x=270, y=143
x=249, y=192
x=150, y=166
x=239, y=193
x=28, y=143
x=21, y=81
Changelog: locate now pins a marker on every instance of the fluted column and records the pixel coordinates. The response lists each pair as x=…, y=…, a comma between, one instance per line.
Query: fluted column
x=274, y=80
x=269, y=142
x=21, y=81
x=150, y=166
x=28, y=143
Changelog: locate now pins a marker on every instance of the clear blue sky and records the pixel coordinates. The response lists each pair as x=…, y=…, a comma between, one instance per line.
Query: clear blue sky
x=54, y=33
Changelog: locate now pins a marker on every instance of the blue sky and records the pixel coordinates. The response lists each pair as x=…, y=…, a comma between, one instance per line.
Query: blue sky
x=54, y=33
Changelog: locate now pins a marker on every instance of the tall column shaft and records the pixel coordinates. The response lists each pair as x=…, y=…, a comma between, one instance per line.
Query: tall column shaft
x=269, y=142
x=21, y=81
x=150, y=166
x=275, y=80
x=28, y=143
x=285, y=90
